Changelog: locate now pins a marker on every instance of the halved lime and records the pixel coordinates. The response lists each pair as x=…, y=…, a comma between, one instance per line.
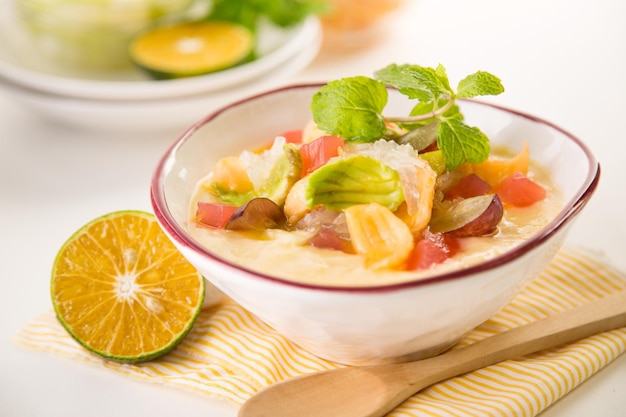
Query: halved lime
x=192, y=48
x=122, y=289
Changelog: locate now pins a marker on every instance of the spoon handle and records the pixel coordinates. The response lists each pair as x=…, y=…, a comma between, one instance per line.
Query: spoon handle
x=598, y=316
x=376, y=390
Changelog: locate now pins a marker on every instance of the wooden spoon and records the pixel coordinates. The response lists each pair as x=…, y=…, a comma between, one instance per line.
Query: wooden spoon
x=374, y=391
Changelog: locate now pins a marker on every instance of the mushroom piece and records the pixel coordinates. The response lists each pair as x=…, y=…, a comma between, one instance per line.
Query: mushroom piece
x=258, y=214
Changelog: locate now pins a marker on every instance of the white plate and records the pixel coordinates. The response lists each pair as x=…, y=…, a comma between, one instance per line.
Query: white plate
x=275, y=47
x=173, y=114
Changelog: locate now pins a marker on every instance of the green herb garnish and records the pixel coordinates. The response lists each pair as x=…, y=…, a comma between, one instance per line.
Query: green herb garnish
x=282, y=13
x=352, y=108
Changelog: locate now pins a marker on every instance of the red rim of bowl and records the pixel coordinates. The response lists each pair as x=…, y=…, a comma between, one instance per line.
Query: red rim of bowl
x=176, y=231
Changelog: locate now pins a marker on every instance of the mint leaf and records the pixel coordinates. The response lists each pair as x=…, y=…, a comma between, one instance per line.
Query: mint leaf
x=397, y=77
x=236, y=11
x=282, y=13
x=288, y=12
x=428, y=108
x=442, y=75
x=351, y=108
x=480, y=83
x=461, y=143
x=423, y=83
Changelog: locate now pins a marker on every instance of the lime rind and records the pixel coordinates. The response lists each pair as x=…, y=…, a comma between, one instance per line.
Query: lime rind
x=144, y=356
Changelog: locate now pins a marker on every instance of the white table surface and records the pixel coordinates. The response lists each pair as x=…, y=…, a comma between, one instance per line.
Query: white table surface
x=562, y=60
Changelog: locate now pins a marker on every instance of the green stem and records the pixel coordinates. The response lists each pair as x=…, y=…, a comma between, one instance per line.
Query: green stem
x=421, y=117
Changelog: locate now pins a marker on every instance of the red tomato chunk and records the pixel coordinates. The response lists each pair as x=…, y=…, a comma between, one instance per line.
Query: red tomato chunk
x=519, y=190
x=328, y=239
x=293, y=136
x=214, y=215
x=318, y=152
x=469, y=186
x=432, y=249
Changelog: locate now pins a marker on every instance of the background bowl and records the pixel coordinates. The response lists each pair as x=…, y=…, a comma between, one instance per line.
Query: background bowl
x=92, y=34
x=156, y=115
x=387, y=323
x=126, y=99
x=275, y=47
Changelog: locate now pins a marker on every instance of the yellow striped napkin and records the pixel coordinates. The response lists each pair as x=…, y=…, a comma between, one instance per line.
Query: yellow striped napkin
x=231, y=354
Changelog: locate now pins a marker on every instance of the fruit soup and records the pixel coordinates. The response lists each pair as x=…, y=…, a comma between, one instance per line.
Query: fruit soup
x=316, y=247
x=361, y=198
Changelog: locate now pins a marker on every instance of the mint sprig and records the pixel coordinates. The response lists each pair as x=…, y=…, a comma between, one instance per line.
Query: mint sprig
x=352, y=108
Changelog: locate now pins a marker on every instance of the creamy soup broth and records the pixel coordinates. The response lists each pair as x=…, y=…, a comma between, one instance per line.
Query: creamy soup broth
x=286, y=254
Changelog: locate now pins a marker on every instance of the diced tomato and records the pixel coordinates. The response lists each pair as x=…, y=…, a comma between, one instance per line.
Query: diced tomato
x=328, y=239
x=519, y=190
x=432, y=249
x=318, y=152
x=214, y=215
x=470, y=186
x=292, y=136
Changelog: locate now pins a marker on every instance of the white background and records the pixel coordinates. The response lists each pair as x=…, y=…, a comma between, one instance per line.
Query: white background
x=561, y=60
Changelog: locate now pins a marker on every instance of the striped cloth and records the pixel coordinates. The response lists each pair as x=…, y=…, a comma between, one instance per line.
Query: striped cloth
x=230, y=354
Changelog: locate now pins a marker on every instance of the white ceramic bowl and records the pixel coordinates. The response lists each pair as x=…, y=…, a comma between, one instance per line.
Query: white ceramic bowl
x=387, y=323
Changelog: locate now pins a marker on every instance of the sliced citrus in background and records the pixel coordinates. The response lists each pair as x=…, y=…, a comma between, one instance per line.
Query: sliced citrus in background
x=123, y=290
x=192, y=48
